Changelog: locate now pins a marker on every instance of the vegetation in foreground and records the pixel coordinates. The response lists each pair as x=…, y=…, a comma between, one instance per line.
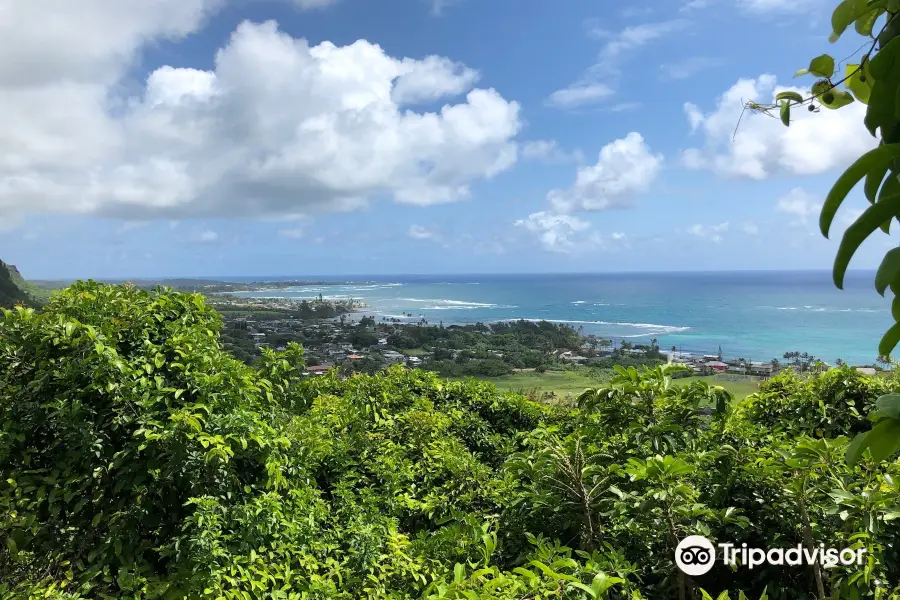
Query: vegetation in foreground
x=140, y=460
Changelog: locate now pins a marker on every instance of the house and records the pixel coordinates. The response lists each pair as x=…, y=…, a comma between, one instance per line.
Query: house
x=716, y=365
x=317, y=370
x=761, y=368
x=393, y=356
x=870, y=371
x=354, y=357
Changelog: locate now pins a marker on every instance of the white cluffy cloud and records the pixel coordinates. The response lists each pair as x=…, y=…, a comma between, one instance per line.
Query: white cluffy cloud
x=624, y=169
x=762, y=146
x=713, y=233
x=800, y=204
x=554, y=231
x=277, y=127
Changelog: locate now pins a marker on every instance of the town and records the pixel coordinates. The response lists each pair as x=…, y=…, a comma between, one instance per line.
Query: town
x=521, y=356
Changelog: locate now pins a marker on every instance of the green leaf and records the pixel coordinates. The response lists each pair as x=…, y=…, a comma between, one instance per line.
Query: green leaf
x=864, y=226
x=822, y=66
x=883, y=62
x=583, y=588
x=889, y=404
x=845, y=13
x=792, y=96
x=836, y=98
x=873, y=159
x=873, y=182
x=884, y=439
x=786, y=113
x=856, y=448
x=895, y=308
x=866, y=21
x=858, y=83
x=888, y=271
x=889, y=341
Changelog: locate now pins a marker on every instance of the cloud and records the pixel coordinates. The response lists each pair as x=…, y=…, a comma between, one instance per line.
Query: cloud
x=277, y=127
x=624, y=106
x=595, y=84
x=757, y=7
x=750, y=228
x=293, y=234
x=579, y=94
x=625, y=168
x=549, y=151
x=689, y=67
x=430, y=79
x=438, y=6
x=417, y=232
x=765, y=7
x=800, y=204
x=851, y=215
x=609, y=243
x=633, y=37
x=554, y=230
x=763, y=147
x=635, y=11
x=313, y=4
x=206, y=237
x=713, y=233
x=690, y=5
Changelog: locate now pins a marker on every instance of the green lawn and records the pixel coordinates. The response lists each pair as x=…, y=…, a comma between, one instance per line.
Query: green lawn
x=562, y=383
x=739, y=389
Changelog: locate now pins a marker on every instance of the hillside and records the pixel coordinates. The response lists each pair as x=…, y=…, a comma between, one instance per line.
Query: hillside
x=13, y=287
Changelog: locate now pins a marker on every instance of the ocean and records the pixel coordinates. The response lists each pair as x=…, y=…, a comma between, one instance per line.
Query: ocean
x=752, y=315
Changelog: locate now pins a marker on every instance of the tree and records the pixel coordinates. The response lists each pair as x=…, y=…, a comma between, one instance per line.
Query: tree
x=874, y=81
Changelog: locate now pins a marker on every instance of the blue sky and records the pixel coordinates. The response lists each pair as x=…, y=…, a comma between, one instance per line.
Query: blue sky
x=314, y=137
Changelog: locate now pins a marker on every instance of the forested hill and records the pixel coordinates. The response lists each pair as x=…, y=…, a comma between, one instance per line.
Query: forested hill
x=12, y=290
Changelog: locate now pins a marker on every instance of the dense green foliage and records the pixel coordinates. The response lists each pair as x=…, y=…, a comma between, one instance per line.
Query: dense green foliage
x=140, y=460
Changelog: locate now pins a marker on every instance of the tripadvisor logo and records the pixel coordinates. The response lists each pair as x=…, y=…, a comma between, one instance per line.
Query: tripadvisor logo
x=695, y=555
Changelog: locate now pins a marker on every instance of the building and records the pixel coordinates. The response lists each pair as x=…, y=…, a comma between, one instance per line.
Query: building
x=762, y=368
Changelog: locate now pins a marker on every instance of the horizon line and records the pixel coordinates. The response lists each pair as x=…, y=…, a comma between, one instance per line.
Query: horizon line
x=352, y=276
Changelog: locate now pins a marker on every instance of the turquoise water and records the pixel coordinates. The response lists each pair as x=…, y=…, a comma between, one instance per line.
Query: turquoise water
x=754, y=315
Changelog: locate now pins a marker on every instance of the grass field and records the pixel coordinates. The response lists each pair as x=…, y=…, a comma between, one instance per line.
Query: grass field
x=739, y=389
x=560, y=383
x=563, y=383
